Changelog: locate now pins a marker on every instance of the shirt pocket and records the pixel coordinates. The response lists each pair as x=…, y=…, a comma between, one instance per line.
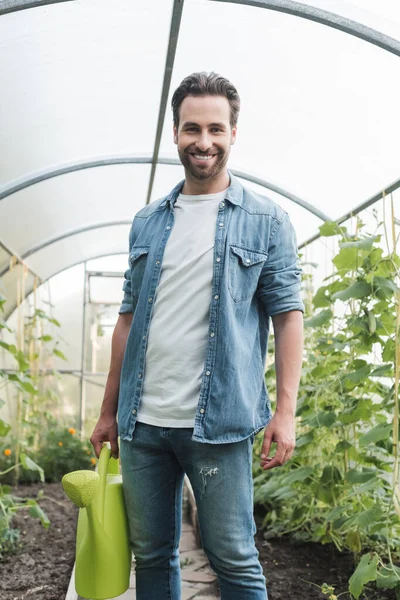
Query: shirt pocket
x=245, y=267
x=137, y=260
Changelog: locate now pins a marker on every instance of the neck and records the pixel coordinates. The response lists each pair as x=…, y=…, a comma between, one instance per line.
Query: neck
x=196, y=187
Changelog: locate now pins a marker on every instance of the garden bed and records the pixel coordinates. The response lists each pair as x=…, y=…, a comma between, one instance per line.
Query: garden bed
x=42, y=567
x=288, y=565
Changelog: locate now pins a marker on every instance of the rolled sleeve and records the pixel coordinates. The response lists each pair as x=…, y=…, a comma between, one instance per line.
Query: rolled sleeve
x=279, y=286
x=127, y=300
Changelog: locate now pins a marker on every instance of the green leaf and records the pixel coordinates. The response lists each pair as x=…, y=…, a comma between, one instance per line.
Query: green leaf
x=55, y=322
x=358, y=375
x=4, y=428
x=30, y=465
x=346, y=260
x=366, y=571
x=322, y=297
x=343, y=445
x=10, y=347
x=22, y=362
x=298, y=474
x=38, y=513
x=3, y=325
x=377, y=433
x=323, y=419
x=382, y=371
x=45, y=338
x=358, y=289
x=330, y=228
x=383, y=287
x=322, y=318
x=59, y=354
x=354, y=476
x=363, y=244
x=388, y=578
x=331, y=475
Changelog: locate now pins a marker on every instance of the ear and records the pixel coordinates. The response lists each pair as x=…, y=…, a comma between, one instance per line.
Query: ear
x=175, y=135
x=233, y=135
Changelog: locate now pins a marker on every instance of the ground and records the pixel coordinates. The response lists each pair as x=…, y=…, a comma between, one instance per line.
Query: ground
x=42, y=567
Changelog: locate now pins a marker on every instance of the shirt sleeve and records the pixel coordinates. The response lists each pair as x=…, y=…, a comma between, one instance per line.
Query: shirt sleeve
x=279, y=286
x=127, y=301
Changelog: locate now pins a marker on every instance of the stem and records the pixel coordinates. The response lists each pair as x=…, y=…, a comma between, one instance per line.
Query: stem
x=10, y=469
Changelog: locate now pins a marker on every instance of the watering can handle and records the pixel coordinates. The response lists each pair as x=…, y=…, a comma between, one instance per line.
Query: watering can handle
x=106, y=465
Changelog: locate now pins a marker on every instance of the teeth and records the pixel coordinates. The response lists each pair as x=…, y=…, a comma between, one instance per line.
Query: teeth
x=202, y=157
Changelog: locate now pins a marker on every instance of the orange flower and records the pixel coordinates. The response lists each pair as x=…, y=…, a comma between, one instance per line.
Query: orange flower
x=71, y=430
x=7, y=452
x=89, y=452
x=60, y=444
x=93, y=461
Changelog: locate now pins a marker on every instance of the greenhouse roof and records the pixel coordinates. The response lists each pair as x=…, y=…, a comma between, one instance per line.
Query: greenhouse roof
x=86, y=124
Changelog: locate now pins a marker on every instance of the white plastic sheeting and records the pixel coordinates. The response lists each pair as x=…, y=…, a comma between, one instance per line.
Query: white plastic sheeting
x=82, y=80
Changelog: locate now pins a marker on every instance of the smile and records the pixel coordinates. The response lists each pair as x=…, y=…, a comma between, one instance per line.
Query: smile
x=203, y=156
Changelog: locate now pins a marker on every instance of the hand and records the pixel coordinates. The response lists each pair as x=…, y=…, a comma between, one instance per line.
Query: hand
x=280, y=429
x=106, y=430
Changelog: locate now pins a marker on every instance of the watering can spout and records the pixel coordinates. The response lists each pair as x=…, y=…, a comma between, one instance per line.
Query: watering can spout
x=103, y=554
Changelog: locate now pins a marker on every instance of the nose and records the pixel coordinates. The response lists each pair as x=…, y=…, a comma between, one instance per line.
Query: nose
x=203, y=142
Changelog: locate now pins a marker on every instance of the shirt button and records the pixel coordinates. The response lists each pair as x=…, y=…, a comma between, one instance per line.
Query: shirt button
x=212, y=334
x=168, y=227
x=134, y=412
x=218, y=259
x=216, y=297
x=247, y=260
x=140, y=375
x=208, y=373
x=157, y=262
x=150, y=299
x=144, y=337
x=222, y=204
x=202, y=411
x=221, y=224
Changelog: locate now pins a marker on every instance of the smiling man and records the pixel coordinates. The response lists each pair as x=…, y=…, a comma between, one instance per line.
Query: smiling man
x=210, y=265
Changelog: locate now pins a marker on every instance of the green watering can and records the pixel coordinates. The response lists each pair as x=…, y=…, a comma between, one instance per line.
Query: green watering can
x=103, y=553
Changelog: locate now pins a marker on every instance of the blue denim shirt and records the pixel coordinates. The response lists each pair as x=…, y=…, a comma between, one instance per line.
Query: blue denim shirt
x=255, y=276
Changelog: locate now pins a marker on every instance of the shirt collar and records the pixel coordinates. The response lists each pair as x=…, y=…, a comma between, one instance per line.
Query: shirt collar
x=234, y=193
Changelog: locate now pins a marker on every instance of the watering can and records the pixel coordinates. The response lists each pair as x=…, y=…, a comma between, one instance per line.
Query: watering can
x=103, y=553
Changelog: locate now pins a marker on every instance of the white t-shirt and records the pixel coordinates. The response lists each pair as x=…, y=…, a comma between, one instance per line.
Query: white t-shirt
x=178, y=333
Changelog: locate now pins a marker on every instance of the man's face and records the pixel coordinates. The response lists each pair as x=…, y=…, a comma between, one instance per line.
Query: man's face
x=204, y=135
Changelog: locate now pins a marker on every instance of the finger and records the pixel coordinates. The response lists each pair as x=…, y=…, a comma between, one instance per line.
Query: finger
x=114, y=448
x=278, y=459
x=266, y=446
x=98, y=444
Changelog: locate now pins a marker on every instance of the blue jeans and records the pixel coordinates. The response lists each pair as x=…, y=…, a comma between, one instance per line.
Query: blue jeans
x=153, y=466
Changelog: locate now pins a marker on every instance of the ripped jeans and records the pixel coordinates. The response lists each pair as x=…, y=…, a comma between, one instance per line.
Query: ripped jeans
x=153, y=468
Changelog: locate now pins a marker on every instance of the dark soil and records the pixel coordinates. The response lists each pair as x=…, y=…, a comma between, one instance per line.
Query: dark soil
x=288, y=565
x=41, y=569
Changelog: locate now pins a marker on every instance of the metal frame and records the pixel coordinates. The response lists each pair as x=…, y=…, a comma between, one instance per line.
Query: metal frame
x=324, y=17
x=169, y=65
x=290, y=7
x=25, y=182
x=9, y=6
x=372, y=200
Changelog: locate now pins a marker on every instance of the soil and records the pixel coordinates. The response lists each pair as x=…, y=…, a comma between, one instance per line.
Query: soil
x=289, y=565
x=41, y=568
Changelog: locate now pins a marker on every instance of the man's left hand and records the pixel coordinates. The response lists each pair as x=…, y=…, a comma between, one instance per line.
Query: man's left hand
x=281, y=430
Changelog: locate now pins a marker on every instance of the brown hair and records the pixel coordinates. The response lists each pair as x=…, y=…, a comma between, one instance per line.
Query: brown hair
x=206, y=84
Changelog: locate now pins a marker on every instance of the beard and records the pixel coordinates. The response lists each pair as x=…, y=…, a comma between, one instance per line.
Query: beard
x=207, y=170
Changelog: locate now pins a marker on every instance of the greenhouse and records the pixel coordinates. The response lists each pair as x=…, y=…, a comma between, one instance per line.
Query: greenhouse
x=86, y=134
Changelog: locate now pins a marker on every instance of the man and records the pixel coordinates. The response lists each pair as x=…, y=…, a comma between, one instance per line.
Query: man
x=209, y=264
